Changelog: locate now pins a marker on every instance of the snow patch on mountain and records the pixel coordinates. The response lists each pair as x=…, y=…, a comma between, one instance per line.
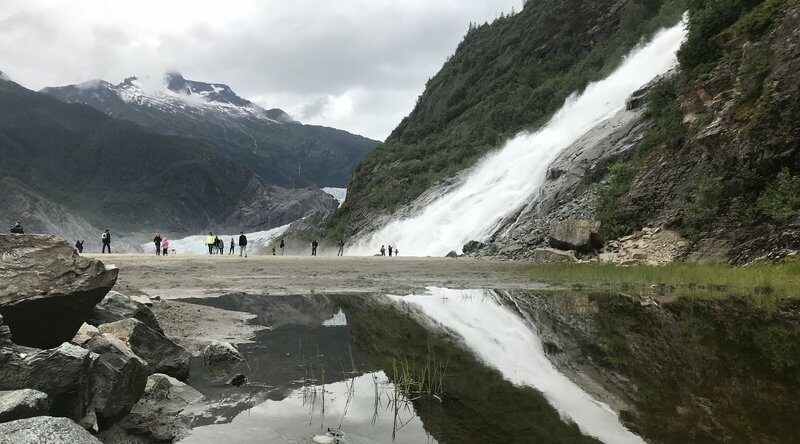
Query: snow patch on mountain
x=173, y=94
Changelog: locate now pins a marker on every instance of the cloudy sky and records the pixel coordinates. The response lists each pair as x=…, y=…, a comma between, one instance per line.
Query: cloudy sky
x=352, y=64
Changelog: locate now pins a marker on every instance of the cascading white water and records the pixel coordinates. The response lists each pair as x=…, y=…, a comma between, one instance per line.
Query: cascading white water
x=503, y=340
x=503, y=181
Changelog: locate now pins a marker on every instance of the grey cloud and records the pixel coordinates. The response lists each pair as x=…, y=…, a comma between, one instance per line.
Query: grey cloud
x=305, y=57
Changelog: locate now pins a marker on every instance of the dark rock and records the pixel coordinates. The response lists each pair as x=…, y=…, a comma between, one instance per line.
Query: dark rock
x=452, y=254
x=44, y=429
x=20, y=404
x=159, y=352
x=238, y=380
x=120, y=377
x=472, y=247
x=116, y=307
x=63, y=373
x=221, y=352
x=44, y=282
x=576, y=234
x=5, y=333
x=547, y=255
x=156, y=415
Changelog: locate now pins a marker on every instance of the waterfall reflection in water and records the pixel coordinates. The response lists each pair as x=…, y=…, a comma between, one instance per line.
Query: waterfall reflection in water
x=505, y=341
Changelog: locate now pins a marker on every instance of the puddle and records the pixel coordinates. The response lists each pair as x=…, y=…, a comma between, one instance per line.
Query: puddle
x=499, y=367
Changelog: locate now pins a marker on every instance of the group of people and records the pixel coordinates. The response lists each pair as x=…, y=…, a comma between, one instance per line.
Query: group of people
x=217, y=246
x=214, y=243
x=162, y=245
x=392, y=250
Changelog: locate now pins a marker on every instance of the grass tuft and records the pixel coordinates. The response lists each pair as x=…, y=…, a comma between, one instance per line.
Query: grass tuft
x=781, y=279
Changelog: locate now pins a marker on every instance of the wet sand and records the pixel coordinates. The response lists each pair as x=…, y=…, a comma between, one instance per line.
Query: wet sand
x=181, y=276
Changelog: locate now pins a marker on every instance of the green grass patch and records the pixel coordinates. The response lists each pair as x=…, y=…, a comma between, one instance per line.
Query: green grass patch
x=680, y=278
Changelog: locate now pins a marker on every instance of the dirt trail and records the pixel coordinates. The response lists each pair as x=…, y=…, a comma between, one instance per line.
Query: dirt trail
x=198, y=275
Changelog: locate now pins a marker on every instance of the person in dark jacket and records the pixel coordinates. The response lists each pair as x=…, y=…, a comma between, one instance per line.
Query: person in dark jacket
x=341, y=248
x=79, y=246
x=157, y=241
x=17, y=228
x=314, y=245
x=233, y=248
x=242, y=244
x=283, y=247
x=106, y=238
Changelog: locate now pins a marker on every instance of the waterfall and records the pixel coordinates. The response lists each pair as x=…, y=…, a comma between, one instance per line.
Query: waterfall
x=503, y=340
x=504, y=180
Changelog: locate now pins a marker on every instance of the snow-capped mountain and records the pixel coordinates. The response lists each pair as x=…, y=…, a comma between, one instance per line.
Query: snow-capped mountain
x=268, y=141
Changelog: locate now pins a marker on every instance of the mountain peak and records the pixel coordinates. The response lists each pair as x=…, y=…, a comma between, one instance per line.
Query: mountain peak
x=176, y=83
x=4, y=76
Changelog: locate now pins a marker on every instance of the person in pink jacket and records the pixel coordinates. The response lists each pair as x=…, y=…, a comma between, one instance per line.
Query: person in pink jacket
x=165, y=246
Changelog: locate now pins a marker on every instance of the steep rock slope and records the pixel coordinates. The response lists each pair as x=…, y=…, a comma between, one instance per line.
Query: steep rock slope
x=278, y=149
x=504, y=77
x=722, y=164
x=117, y=174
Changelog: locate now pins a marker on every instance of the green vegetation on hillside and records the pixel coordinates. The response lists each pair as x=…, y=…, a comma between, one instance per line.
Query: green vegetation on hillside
x=504, y=77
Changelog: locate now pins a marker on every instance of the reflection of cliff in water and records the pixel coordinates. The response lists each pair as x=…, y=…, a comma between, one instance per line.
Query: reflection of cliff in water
x=695, y=370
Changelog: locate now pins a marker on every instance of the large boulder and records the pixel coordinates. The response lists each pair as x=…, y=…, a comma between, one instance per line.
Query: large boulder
x=46, y=289
x=159, y=352
x=21, y=404
x=44, y=429
x=116, y=307
x=157, y=414
x=64, y=373
x=576, y=234
x=120, y=377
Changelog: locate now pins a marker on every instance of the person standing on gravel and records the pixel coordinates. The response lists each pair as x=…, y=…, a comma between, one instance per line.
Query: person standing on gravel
x=242, y=244
x=157, y=240
x=106, y=238
x=210, y=242
x=341, y=247
x=233, y=248
x=283, y=247
x=314, y=245
x=164, y=246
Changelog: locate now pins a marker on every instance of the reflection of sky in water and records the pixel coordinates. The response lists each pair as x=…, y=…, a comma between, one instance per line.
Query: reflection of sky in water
x=299, y=417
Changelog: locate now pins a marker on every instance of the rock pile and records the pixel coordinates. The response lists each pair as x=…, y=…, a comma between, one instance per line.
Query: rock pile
x=650, y=246
x=94, y=380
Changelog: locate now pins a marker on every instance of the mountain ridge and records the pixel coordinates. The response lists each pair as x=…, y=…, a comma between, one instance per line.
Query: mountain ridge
x=117, y=174
x=269, y=142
